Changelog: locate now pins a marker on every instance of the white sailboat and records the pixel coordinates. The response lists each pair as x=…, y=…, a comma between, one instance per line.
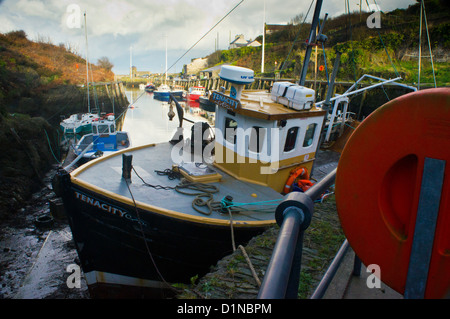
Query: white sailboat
x=81, y=123
x=164, y=90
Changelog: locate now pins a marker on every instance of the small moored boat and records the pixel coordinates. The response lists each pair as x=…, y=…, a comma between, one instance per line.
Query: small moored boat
x=103, y=140
x=80, y=123
x=196, y=92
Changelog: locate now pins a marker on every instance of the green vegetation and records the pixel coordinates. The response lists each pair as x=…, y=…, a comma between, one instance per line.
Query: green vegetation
x=30, y=69
x=39, y=82
x=387, y=52
x=232, y=278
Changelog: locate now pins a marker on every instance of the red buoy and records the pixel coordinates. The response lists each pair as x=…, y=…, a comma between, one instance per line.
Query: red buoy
x=379, y=183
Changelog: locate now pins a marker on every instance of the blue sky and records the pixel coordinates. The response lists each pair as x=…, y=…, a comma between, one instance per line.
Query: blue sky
x=114, y=26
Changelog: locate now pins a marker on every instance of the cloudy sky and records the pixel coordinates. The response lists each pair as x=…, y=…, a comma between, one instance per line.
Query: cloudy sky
x=115, y=26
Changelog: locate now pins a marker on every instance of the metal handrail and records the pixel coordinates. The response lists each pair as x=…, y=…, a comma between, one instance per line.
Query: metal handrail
x=293, y=215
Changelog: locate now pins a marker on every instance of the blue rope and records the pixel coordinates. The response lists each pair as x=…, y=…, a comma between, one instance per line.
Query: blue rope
x=225, y=203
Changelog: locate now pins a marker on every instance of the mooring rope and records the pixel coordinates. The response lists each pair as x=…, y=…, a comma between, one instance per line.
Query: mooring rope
x=145, y=241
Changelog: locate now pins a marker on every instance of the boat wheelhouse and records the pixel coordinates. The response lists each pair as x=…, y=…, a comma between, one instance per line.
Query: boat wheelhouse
x=263, y=140
x=103, y=140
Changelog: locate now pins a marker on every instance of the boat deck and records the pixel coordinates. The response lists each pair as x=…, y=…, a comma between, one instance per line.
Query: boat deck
x=104, y=176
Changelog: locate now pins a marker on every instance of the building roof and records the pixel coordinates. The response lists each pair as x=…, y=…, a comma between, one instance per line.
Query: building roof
x=214, y=68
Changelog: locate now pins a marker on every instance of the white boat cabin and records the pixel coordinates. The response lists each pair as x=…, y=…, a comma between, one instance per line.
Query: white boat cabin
x=259, y=140
x=106, y=125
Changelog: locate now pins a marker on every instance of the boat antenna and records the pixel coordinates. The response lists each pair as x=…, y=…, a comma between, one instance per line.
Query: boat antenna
x=264, y=38
x=87, y=64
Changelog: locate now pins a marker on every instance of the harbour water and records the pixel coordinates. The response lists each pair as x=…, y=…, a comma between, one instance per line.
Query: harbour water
x=147, y=122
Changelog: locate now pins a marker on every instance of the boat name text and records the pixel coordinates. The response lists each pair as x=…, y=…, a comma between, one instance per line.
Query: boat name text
x=107, y=208
x=225, y=101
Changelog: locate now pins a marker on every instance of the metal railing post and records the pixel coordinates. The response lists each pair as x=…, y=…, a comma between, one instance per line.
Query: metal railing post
x=294, y=215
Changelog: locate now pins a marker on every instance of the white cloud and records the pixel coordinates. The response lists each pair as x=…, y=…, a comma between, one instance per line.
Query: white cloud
x=34, y=8
x=115, y=25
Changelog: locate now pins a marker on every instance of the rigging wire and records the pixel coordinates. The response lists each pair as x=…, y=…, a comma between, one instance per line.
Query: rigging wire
x=204, y=35
x=429, y=42
x=295, y=40
x=145, y=241
x=381, y=40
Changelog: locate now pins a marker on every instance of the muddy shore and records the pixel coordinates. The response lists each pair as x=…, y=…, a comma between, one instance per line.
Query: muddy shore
x=24, y=237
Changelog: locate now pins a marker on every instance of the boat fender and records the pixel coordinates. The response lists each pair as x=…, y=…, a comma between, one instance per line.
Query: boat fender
x=304, y=184
x=299, y=171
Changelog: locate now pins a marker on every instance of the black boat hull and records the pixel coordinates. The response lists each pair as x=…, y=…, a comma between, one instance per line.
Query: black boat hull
x=141, y=250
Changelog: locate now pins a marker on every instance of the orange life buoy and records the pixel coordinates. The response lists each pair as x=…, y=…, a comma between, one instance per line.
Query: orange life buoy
x=295, y=173
x=304, y=184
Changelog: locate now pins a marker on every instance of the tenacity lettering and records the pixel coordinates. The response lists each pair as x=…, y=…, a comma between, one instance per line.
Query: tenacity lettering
x=106, y=207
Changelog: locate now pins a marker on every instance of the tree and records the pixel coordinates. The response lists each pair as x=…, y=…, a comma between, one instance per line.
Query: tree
x=104, y=63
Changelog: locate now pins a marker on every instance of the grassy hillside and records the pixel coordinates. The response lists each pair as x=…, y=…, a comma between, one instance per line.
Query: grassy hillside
x=29, y=69
x=389, y=51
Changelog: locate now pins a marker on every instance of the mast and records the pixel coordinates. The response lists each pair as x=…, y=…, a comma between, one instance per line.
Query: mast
x=165, y=76
x=311, y=42
x=131, y=63
x=420, y=45
x=264, y=38
x=87, y=64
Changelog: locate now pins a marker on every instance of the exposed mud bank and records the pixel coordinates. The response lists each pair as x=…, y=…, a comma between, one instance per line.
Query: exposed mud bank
x=35, y=252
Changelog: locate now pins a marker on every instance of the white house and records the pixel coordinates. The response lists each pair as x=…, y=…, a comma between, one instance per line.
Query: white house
x=240, y=42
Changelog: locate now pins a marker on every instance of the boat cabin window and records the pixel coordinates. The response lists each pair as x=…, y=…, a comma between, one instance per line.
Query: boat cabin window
x=291, y=138
x=103, y=129
x=94, y=129
x=257, y=136
x=111, y=128
x=309, y=135
x=230, y=130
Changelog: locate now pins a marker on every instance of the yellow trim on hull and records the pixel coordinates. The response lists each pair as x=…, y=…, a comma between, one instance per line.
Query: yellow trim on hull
x=155, y=209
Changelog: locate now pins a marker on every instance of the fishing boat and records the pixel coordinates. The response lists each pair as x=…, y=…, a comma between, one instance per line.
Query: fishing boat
x=205, y=104
x=178, y=92
x=136, y=230
x=79, y=123
x=150, y=87
x=195, y=92
x=162, y=92
x=103, y=140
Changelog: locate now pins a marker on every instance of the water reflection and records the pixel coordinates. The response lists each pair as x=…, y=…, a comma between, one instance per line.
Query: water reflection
x=147, y=121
